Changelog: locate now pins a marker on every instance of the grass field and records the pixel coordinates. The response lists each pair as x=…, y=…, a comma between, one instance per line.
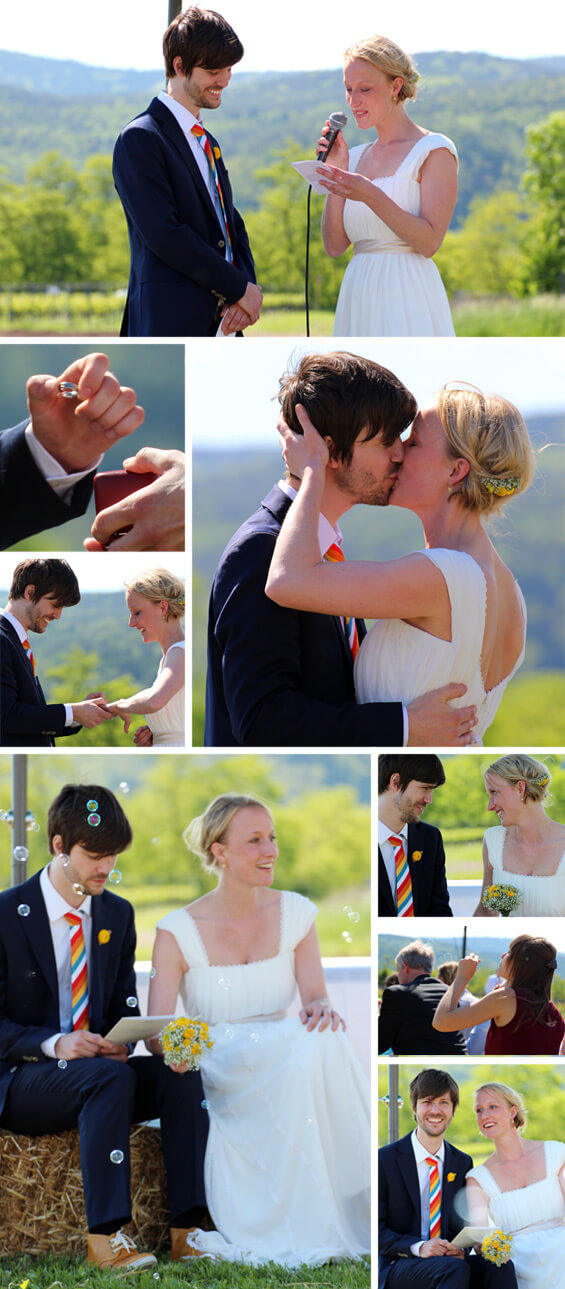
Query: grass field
x=68, y=1273
x=79, y=313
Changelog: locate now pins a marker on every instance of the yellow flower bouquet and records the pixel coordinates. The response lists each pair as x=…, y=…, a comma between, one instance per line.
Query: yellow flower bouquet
x=503, y=899
x=497, y=1247
x=184, y=1041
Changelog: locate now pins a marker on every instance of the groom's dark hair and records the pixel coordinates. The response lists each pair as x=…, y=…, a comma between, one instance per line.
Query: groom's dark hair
x=52, y=577
x=433, y=1083
x=69, y=815
x=345, y=395
x=422, y=768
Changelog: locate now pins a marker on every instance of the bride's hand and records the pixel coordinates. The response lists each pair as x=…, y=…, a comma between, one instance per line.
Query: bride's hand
x=143, y=736
x=302, y=450
x=339, y=151
x=319, y=1015
x=116, y=710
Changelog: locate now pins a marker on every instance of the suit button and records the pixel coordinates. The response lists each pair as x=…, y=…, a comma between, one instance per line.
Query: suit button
x=13, y=1069
x=222, y=244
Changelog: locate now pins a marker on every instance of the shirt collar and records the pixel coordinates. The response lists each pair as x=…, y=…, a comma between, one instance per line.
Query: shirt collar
x=327, y=533
x=17, y=625
x=181, y=113
x=422, y=1154
x=55, y=904
x=385, y=832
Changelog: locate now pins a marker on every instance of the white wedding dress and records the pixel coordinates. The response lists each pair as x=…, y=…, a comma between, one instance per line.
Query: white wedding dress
x=399, y=662
x=287, y=1160
x=535, y=1218
x=388, y=288
x=541, y=896
x=167, y=726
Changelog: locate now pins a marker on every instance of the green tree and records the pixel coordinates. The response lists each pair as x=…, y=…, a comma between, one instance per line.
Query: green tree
x=544, y=180
x=485, y=255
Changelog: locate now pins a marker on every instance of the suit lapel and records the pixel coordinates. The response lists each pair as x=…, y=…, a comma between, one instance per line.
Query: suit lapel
x=171, y=128
x=101, y=921
x=37, y=930
x=386, y=895
x=409, y=1174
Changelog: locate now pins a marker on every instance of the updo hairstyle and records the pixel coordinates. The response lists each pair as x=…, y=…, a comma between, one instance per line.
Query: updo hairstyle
x=212, y=826
x=158, y=584
x=517, y=767
x=490, y=433
x=390, y=59
x=511, y=1097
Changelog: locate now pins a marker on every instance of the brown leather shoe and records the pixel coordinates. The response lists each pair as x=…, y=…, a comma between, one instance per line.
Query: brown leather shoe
x=118, y=1253
x=180, y=1250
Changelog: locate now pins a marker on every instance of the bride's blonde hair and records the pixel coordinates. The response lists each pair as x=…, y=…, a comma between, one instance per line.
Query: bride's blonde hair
x=212, y=826
x=491, y=435
x=158, y=584
x=518, y=766
x=390, y=59
x=510, y=1096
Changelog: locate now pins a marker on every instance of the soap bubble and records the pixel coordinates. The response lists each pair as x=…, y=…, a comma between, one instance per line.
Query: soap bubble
x=117, y=1156
x=131, y=1002
x=115, y=876
x=354, y=917
x=152, y=973
x=65, y=861
x=346, y=936
x=93, y=820
x=62, y=1064
x=155, y=841
x=35, y=827
x=21, y=853
x=92, y=805
x=78, y=888
x=24, y=910
x=225, y=984
x=124, y=787
x=205, y=1105
x=347, y=909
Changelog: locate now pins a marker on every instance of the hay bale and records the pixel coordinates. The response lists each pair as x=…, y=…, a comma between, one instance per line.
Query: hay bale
x=41, y=1197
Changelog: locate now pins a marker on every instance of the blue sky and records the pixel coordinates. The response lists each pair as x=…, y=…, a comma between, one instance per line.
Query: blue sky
x=242, y=411
x=297, y=35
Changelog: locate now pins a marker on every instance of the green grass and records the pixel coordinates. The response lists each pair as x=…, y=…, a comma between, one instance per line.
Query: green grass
x=68, y=1273
x=99, y=313
x=152, y=902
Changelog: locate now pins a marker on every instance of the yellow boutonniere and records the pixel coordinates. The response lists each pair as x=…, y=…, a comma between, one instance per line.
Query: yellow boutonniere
x=451, y=1177
x=217, y=153
x=416, y=855
x=104, y=936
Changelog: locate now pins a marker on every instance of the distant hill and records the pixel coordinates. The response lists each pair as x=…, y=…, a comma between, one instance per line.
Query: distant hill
x=483, y=103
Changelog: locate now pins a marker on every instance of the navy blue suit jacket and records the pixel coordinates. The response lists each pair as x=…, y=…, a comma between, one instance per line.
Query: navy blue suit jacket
x=29, y=996
x=429, y=883
x=26, y=720
x=179, y=274
x=280, y=677
x=399, y=1200
x=27, y=503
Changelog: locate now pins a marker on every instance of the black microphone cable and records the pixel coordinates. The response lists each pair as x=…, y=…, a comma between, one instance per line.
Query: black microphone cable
x=336, y=122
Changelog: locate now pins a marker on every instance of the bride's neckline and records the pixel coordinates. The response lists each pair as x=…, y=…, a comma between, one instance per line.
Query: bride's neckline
x=225, y=966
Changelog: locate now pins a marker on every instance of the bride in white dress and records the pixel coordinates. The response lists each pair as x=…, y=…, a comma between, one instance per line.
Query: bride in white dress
x=527, y=851
x=520, y=1190
x=392, y=199
x=451, y=612
x=287, y=1159
x=156, y=603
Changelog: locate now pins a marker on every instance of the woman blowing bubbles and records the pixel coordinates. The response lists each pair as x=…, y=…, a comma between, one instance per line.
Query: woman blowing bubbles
x=393, y=199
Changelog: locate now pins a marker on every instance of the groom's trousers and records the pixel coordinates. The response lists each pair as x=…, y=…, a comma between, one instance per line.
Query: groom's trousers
x=103, y=1098
x=450, y=1273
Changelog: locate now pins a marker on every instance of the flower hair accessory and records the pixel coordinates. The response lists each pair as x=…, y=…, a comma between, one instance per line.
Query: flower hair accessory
x=541, y=782
x=500, y=487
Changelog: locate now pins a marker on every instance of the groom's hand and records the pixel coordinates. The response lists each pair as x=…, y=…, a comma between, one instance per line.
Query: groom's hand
x=77, y=430
x=91, y=712
x=439, y=1249
x=432, y=722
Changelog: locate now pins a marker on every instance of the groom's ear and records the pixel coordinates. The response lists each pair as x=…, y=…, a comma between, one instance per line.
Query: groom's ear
x=334, y=460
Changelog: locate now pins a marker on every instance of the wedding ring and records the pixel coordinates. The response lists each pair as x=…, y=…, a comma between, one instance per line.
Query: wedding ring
x=68, y=389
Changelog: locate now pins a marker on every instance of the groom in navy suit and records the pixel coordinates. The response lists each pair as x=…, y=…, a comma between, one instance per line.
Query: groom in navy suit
x=412, y=1172
x=191, y=264
x=57, y=1071
x=406, y=786
x=282, y=677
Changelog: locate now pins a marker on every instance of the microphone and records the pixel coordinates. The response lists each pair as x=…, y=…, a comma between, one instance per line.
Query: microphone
x=337, y=121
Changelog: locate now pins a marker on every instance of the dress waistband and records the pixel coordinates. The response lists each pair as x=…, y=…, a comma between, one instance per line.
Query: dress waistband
x=369, y=246
x=248, y=1020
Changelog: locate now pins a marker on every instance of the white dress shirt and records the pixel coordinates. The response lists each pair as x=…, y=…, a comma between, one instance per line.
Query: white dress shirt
x=22, y=635
x=57, y=907
x=186, y=120
x=51, y=469
x=388, y=851
x=421, y=1155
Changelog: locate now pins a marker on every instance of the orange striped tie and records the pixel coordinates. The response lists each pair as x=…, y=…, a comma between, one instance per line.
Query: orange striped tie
x=79, y=972
x=404, y=900
x=335, y=555
x=435, y=1198
x=27, y=648
x=200, y=134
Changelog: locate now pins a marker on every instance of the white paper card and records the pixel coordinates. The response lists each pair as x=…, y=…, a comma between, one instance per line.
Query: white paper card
x=131, y=1028
x=309, y=172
